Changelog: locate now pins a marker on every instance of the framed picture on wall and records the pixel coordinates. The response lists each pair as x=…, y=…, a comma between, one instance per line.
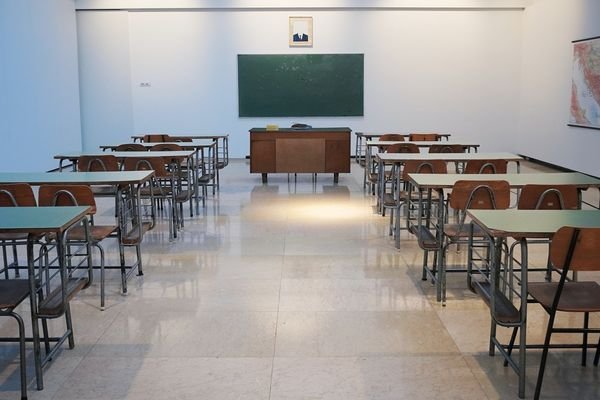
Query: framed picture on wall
x=585, y=86
x=301, y=32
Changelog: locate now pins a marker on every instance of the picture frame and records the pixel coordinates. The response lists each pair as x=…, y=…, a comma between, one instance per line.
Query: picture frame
x=585, y=87
x=301, y=32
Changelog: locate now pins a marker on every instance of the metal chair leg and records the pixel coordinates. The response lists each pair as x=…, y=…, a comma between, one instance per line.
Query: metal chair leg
x=511, y=344
x=22, y=357
x=538, y=385
x=597, y=356
x=586, y=320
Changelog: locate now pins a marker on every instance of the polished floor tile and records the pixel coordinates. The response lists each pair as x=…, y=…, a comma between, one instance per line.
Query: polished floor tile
x=288, y=290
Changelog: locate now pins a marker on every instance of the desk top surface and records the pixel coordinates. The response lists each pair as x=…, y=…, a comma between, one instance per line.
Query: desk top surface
x=39, y=219
x=80, y=178
x=385, y=143
x=442, y=181
x=206, y=136
x=308, y=130
x=401, y=157
x=126, y=154
x=373, y=134
x=183, y=145
x=532, y=223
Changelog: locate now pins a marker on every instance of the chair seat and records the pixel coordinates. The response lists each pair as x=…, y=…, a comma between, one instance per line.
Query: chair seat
x=13, y=292
x=575, y=297
x=134, y=236
x=455, y=231
x=104, y=190
x=53, y=306
x=415, y=195
x=97, y=232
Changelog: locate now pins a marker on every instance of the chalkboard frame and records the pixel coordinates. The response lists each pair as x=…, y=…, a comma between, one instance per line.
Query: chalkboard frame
x=300, y=85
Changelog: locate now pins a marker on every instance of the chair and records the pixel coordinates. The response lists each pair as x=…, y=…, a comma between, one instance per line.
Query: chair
x=402, y=194
x=184, y=139
x=548, y=197
x=161, y=186
x=388, y=177
x=12, y=293
x=14, y=195
x=81, y=195
x=486, y=167
x=572, y=249
x=392, y=137
x=447, y=148
x=424, y=137
x=130, y=147
x=157, y=137
x=544, y=197
x=181, y=170
x=99, y=163
x=166, y=147
x=465, y=195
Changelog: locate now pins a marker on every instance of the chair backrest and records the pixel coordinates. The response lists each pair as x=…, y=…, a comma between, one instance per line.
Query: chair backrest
x=480, y=195
x=97, y=163
x=402, y=148
x=392, y=137
x=166, y=147
x=67, y=195
x=131, y=147
x=423, y=167
x=486, y=167
x=447, y=148
x=157, y=164
x=582, y=243
x=548, y=197
x=424, y=137
x=156, y=137
x=181, y=139
x=17, y=195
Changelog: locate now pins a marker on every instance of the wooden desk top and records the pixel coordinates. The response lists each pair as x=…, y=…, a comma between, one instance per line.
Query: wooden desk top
x=532, y=223
x=40, y=219
x=77, y=178
x=401, y=157
x=444, y=181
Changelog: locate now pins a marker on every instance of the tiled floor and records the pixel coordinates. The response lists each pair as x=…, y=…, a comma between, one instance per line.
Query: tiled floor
x=290, y=290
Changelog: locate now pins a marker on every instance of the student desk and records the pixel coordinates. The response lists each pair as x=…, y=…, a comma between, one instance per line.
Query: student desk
x=438, y=182
x=384, y=159
x=173, y=156
x=364, y=137
x=500, y=225
x=377, y=144
x=206, y=158
x=38, y=221
x=133, y=179
x=221, y=140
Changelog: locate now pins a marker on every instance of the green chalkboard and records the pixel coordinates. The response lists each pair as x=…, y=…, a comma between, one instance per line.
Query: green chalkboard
x=301, y=85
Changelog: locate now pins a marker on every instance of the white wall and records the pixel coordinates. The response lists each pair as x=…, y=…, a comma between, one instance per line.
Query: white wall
x=441, y=70
x=39, y=92
x=104, y=72
x=549, y=28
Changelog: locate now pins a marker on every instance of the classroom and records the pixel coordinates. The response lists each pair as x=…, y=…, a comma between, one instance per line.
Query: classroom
x=334, y=199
